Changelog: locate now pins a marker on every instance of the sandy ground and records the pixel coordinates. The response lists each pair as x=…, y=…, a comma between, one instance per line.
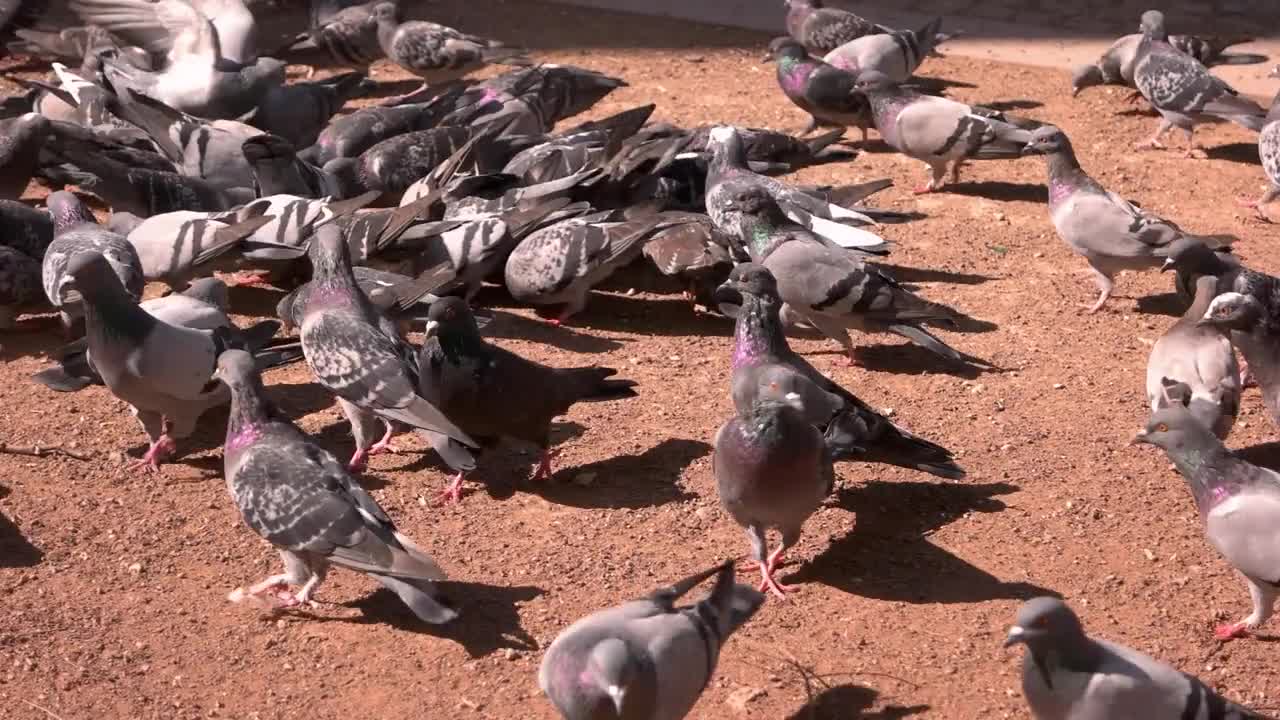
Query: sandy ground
x=113, y=585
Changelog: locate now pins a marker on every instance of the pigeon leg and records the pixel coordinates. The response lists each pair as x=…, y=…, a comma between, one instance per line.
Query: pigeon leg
x=544, y=471
x=768, y=582
x=938, y=172
x=863, y=128
x=303, y=596
x=1267, y=197
x=1264, y=599
x=384, y=445
x=955, y=170
x=359, y=461
x=1105, y=284
x=1192, y=150
x=249, y=277
x=1153, y=142
x=156, y=454
x=452, y=492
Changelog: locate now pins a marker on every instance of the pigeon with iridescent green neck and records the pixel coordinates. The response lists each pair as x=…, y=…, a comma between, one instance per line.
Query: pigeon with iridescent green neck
x=825, y=92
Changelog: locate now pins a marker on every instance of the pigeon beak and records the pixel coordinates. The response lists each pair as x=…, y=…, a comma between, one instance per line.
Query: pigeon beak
x=1167, y=265
x=767, y=59
x=1074, y=91
x=1275, y=72
x=432, y=328
x=618, y=695
x=1016, y=635
x=1140, y=438
x=1029, y=150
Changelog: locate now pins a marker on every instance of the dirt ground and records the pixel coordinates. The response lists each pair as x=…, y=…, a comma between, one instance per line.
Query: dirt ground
x=113, y=585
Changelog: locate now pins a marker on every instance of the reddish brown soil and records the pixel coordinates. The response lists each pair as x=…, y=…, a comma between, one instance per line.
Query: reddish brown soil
x=113, y=585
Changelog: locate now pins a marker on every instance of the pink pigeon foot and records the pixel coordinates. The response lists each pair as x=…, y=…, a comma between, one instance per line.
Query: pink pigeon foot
x=384, y=445
x=544, y=471
x=924, y=189
x=359, y=461
x=452, y=492
x=768, y=582
x=1231, y=631
x=156, y=454
x=249, y=277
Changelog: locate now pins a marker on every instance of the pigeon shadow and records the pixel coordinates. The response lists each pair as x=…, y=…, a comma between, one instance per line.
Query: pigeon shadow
x=254, y=300
x=1000, y=190
x=888, y=555
x=519, y=327
x=911, y=359
x=1266, y=454
x=851, y=702
x=1244, y=153
x=15, y=550
x=649, y=479
x=905, y=274
x=31, y=336
x=488, y=619
x=1020, y=104
x=938, y=84
x=394, y=88
x=673, y=317
x=1147, y=111
x=1170, y=304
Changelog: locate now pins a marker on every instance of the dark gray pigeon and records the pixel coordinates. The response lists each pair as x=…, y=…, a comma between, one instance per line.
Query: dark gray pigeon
x=77, y=231
x=897, y=54
x=761, y=357
x=24, y=228
x=1115, y=66
x=821, y=29
x=1269, y=152
x=19, y=284
x=436, y=53
x=492, y=393
x=646, y=659
x=772, y=470
x=370, y=370
x=1194, y=365
x=21, y=140
x=825, y=92
x=1110, y=232
x=1181, y=89
x=1236, y=500
x=299, y=498
x=298, y=111
x=348, y=36
x=350, y=135
x=1067, y=675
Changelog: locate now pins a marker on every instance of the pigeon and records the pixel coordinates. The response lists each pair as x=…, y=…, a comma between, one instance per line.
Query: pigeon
x=348, y=36
x=1067, y=675
x=812, y=210
x=1269, y=153
x=25, y=228
x=1116, y=65
x=178, y=29
x=298, y=111
x=821, y=29
x=173, y=247
x=1110, y=232
x=762, y=357
x=365, y=365
x=298, y=497
x=437, y=53
x=21, y=140
x=828, y=288
x=161, y=370
x=76, y=231
x=939, y=131
x=492, y=393
x=896, y=54
x=404, y=299
x=350, y=135
x=1250, y=321
x=277, y=170
x=1194, y=365
x=697, y=253
x=646, y=659
x=19, y=284
x=773, y=470
x=823, y=91
x=1181, y=89
x=394, y=164
x=1235, y=499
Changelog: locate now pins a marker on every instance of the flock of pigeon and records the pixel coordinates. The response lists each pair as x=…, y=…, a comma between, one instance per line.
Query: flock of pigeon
x=393, y=215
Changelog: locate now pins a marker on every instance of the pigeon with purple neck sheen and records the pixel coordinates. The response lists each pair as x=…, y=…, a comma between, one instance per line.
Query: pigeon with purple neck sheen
x=356, y=353
x=1067, y=675
x=492, y=393
x=1182, y=90
x=1115, y=66
x=761, y=357
x=76, y=230
x=825, y=92
x=1110, y=232
x=832, y=289
x=897, y=54
x=821, y=29
x=1194, y=365
x=298, y=497
x=1238, y=501
x=772, y=470
x=646, y=659
x=1269, y=152
x=939, y=131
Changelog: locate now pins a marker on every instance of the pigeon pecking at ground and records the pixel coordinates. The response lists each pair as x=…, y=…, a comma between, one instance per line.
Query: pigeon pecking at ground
x=897, y=54
x=1182, y=90
x=825, y=92
x=1269, y=152
x=1238, y=501
x=1115, y=66
x=1110, y=232
x=492, y=393
x=647, y=659
x=1067, y=675
x=299, y=498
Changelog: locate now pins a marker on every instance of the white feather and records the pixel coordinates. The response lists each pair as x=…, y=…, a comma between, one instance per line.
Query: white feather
x=842, y=235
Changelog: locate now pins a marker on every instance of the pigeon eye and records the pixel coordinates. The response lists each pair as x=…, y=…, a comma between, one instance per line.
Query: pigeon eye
x=1162, y=427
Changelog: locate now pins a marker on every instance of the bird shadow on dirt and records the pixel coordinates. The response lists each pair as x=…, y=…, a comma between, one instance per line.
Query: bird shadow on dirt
x=666, y=317
x=1168, y=304
x=888, y=555
x=1243, y=153
x=518, y=327
x=15, y=549
x=1000, y=190
x=1019, y=104
x=851, y=701
x=488, y=620
x=911, y=359
x=32, y=336
x=649, y=479
x=254, y=300
x=1266, y=454
x=905, y=274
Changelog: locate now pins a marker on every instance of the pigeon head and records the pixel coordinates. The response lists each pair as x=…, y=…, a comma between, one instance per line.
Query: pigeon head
x=1232, y=311
x=1084, y=76
x=210, y=290
x=1175, y=430
x=1043, y=623
x=329, y=254
x=1190, y=253
x=94, y=277
x=250, y=407
x=235, y=368
x=1152, y=25
x=786, y=47
x=68, y=211
x=747, y=279
x=751, y=199
x=266, y=72
x=386, y=12
x=873, y=80
x=610, y=670
x=1046, y=140
x=451, y=316
x=725, y=142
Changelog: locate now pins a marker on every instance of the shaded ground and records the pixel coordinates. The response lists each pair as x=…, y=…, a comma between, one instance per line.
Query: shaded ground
x=113, y=585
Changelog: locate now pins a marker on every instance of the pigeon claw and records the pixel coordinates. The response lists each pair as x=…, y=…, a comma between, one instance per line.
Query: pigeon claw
x=1232, y=631
x=543, y=471
x=924, y=189
x=155, y=455
x=359, y=461
x=452, y=493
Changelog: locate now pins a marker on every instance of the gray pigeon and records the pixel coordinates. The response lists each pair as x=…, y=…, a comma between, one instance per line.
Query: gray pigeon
x=825, y=92
x=1194, y=365
x=1067, y=675
x=19, y=284
x=347, y=136
x=646, y=659
x=180, y=30
x=25, y=228
x=436, y=53
x=492, y=393
x=1251, y=324
x=370, y=370
x=299, y=498
x=1235, y=499
x=298, y=111
x=832, y=289
x=1110, y=232
x=77, y=231
x=896, y=54
x=940, y=131
x=761, y=358
x=772, y=470
x=821, y=29
x=174, y=246
x=1181, y=89
x=403, y=299
x=21, y=140
x=1269, y=152
x=348, y=36
x=1115, y=66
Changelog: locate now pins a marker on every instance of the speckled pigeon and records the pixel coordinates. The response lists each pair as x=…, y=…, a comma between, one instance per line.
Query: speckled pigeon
x=437, y=53
x=348, y=36
x=299, y=498
x=1269, y=152
x=821, y=29
x=1110, y=232
x=1115, y=65
x=76, y=231
x=823, y=91
x=647, y=659
x=761, y=357
x=1067, y=675
x=1181, y=89
x=896, y=54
